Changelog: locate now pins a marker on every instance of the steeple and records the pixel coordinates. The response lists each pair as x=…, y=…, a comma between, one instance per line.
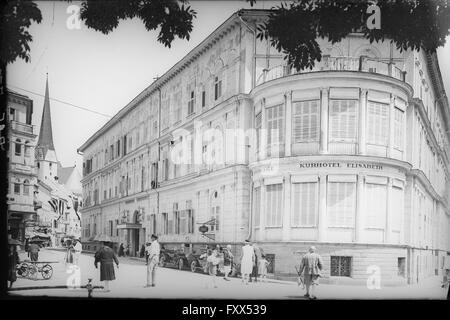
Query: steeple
x=45, y=134
x=45, y=150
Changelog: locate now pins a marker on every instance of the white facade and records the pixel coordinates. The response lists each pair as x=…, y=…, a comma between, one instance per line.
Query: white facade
x=351, y=156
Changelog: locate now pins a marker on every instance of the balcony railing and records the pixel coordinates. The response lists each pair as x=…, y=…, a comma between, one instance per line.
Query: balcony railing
x=328, y=63
x=22, y=127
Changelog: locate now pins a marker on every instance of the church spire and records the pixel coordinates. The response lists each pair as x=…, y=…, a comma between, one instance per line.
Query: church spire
x=45, y=134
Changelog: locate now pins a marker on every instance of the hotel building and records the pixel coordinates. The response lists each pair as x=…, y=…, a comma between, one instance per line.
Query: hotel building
x=351, y=156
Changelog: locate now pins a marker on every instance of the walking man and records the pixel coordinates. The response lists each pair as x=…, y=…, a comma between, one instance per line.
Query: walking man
x=34, y=251
x=311, y=265
x=153, y=260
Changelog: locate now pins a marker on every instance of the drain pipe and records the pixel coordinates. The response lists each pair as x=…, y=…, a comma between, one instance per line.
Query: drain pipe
x=239, y=14
x=250, y=218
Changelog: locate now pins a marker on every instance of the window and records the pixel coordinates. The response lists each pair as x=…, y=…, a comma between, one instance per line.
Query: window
x=341, y=203
x=258, y=126
x=217, y=88
x=215, y=213
x=177, y=107
x=190, y=216
x=377, y=123
x=203, y=98
x=111, y=229
x=27, y=149
x=343, y=120
x=401, y=266
x=306, y=117
x=182, y=221
x=397, y=210
x=153, y=223
x=165, y=223
x=257, y=202
x=165, y=107
x=376, y=208
x=399, y=120
x=117, y=229
x=17, y=187
x=305, y=206
x=341, y=266
x=18, y=147
x=191, y=102
x=26, y=187
x=12, y=114
x=275, y=126
x=274, y=205
x=176, y=218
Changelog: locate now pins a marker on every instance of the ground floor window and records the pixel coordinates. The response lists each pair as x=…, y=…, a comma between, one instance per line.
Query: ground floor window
x=305, y=206
x=401, y=262
x=341, y=202
x=274, y=206
x=340, y=266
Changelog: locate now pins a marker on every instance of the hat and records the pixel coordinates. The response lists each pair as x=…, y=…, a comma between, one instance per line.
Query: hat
x=312, y=249
x=154, y=236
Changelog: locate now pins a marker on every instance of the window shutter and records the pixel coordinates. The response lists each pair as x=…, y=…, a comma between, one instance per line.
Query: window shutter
x=343, y=120
x=341, y=204
x=377, y=123
x=376, y=208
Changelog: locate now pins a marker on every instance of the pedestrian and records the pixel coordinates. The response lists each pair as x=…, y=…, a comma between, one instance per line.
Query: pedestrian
x=258, y=253
x=27, y=245
x=142, y=251
x=13, y=262
x=263, y=263
x=147, y=249
x=247, y=261
x=127, y=250
x=212, y=262
x=227, y=261
x=121, y=250
x=69, y=253
x=153, y=260
x=77, y=248
x=311, y=265
x=106, y=256
x=34, y=251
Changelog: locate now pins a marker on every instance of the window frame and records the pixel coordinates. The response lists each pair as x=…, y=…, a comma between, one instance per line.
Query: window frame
x=301, y=116
x=340, y=114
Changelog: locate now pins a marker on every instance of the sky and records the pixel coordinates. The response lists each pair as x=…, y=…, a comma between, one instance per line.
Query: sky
x=104, y=72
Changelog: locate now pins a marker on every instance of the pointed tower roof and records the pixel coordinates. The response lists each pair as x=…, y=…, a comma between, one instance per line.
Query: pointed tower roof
x=45, y=133
x=45, y=149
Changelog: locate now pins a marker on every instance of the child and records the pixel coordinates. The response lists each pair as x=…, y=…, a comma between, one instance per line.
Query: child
x=263, y=263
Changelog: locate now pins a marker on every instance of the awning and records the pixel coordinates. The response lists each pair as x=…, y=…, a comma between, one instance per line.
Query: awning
x=33, y=234
x=129, y=226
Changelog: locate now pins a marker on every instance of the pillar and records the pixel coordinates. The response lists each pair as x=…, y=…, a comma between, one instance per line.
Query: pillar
x=324, y=121
x=322, y=227
x=360, y=208
x=287, y=209
x=288, y=126
x=362, y=122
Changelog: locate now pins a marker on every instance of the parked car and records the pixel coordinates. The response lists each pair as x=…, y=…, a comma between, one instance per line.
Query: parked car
x=196, y=263
x=173, y=258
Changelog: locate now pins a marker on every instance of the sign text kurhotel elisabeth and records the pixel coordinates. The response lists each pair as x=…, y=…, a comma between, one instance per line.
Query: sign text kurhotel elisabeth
x=352, y=165
x=352, y=156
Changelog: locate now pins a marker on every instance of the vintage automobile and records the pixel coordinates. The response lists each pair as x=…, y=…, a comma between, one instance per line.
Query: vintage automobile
x=173, y=257
x=198, y=263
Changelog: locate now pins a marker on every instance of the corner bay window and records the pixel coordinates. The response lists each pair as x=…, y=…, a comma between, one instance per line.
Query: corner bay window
x=341, y=203
x=343, y=120
x=376, y=198
x=274, y=205
x=305, y=121
x=275, y=128
x=399, y=119
x=305, y=204
x=377, y=123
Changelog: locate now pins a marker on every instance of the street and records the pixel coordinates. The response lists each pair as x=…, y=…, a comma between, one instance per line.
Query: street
x=173, y=283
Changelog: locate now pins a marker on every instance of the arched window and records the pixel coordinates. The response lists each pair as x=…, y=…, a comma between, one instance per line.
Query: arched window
x=17, y=187
x=27, y=148
x=26, y=187
x=18, y=149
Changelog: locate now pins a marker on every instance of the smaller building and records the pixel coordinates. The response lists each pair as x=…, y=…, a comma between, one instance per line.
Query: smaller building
x=21, y=171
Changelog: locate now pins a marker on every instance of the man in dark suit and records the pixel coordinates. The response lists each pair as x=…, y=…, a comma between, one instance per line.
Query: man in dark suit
x=106, y=256
x=311, y=265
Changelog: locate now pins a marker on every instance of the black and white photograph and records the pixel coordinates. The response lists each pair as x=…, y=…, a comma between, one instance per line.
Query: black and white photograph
x=225, y=151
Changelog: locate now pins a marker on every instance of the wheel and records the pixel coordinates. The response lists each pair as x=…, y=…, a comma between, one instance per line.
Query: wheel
x=162, y=261
x=32, y=271
x=22, y=270
x=47, y=271
x=194, y=266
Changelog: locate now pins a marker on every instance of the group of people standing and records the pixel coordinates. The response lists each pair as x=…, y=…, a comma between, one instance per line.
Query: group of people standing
x=253, y=263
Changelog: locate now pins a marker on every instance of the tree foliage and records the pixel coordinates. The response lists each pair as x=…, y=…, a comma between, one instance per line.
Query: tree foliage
x=16, y=18
x=294, y=29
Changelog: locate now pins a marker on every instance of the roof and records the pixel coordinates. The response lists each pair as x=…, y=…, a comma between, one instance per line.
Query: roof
x=64, y=173
x=231, y=22
x=45, y=141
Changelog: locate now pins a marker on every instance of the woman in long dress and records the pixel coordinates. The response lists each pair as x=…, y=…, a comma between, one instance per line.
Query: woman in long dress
x=248, y=258
x=69, y=253
x=106, y=256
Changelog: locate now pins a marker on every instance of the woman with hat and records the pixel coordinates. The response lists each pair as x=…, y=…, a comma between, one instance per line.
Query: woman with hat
x=106, y=256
